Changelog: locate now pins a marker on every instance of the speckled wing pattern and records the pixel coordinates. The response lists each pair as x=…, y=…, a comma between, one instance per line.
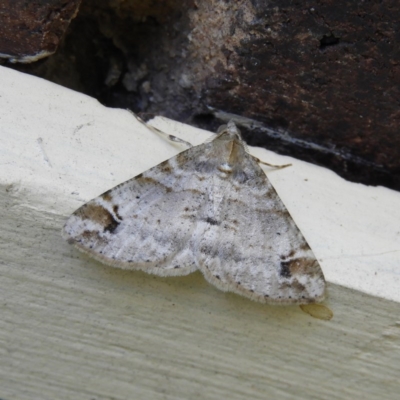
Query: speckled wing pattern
x=210, y=208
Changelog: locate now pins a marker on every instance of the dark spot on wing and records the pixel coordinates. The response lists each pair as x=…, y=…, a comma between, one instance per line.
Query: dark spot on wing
x=212, y=221
x=115, y=209
x=98, y=214
x=112, y=226
x=285, y=269
x=292, y=253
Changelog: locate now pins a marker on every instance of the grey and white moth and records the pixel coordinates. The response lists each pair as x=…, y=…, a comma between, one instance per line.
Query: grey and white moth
x=210, y=208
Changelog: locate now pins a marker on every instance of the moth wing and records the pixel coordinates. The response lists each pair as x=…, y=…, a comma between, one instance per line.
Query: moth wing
x=252, y=245
x=144, y=223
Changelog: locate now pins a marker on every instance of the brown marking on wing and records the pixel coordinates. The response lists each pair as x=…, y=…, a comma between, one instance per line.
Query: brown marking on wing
x=107, y=196
x=281, y=213
x=298, y=286
x=305, y=246
x=88, y=236
x=99, y=214
x=289, y=255
x=147, y=179
x=152, y=181
x=165, y=167
x=298, y=266
x=116, y=209
x=181, y=158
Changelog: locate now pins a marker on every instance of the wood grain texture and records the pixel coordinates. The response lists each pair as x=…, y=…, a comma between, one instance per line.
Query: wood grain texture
x=73, y=328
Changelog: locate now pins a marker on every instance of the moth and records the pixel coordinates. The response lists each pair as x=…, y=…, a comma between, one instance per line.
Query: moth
x=210, y=208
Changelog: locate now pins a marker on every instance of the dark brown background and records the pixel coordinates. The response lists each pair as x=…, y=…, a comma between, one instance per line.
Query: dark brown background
x=316, y=79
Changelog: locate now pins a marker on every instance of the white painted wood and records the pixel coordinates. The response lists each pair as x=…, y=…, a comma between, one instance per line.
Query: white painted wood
x=71, y=328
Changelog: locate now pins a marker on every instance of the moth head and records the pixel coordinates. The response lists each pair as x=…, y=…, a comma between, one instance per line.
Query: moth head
x=229, y=132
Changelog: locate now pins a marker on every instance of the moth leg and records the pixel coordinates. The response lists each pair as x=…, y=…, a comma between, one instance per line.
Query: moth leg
x=171, y=138
x=271, y=165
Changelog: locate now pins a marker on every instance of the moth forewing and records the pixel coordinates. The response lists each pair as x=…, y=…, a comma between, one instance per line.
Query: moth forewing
x=210, y=208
